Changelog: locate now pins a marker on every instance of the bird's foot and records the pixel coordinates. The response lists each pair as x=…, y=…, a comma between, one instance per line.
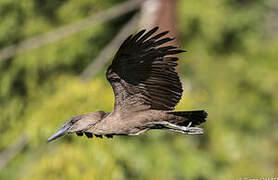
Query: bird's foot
x=185, y=130
x=193, y=131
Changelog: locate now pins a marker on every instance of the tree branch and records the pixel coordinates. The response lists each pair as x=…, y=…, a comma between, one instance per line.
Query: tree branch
x=13, y=150
x=68, y=30
x=104, y=56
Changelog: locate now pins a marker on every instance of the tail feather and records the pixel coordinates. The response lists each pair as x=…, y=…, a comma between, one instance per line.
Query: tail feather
x=196, y=117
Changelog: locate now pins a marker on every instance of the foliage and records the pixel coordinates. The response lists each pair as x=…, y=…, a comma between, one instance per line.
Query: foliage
x=230, y=69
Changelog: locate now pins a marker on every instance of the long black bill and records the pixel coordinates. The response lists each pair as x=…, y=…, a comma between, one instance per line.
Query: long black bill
x=59, y=133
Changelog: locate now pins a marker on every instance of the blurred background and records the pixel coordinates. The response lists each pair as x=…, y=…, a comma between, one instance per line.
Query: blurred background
x=53, y=57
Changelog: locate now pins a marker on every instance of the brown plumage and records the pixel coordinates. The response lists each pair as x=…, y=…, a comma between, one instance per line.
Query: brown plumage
x=146, y=88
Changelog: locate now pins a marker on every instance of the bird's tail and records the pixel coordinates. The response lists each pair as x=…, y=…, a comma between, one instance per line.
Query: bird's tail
x=193, y=117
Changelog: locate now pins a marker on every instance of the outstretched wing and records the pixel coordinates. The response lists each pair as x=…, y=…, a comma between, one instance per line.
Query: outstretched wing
x=143, y=74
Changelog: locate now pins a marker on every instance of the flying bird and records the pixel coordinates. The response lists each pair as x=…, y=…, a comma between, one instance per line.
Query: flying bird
x=146, y=87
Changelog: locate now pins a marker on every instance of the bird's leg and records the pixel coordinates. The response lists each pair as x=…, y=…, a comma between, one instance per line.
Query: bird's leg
x=183, y=129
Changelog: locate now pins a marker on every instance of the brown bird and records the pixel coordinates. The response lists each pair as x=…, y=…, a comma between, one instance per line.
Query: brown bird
x=146, y=88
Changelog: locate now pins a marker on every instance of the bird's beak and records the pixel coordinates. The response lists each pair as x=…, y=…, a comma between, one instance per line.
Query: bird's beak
x=60, y=132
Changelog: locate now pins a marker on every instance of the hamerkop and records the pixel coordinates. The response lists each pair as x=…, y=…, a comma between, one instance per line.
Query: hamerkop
x=146, y=88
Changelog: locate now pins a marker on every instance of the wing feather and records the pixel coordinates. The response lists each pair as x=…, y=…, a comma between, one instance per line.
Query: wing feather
x=143, y=72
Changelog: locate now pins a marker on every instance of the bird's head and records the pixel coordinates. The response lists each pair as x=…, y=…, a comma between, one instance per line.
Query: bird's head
x=78, y=124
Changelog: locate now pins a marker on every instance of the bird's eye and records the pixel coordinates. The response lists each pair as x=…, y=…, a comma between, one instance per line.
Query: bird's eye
x=115, y=80
x=74, y=119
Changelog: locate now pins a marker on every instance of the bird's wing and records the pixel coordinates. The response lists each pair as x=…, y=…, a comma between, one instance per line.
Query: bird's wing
x=143, y=74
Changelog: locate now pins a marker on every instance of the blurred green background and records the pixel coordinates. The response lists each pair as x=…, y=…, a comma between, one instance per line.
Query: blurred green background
x=230, y=69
